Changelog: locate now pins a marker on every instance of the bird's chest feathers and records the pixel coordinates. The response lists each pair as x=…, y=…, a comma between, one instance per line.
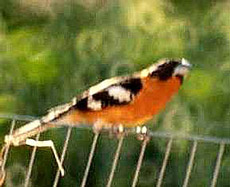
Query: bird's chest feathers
x=155, y=94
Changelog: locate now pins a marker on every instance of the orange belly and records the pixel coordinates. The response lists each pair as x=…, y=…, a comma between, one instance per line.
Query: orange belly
x=152, y=98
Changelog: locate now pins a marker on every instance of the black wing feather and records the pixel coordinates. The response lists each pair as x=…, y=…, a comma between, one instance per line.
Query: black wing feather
x=132, y=85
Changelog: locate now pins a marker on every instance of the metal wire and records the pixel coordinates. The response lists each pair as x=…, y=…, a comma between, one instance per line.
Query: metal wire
x=68, y=134
x=7, y=146
x=4, y=154
x=32, y=158
x=158, y=134
x=115, y=161
x=218, y=162
x=17, y=117
x=139, y=163
x=167, y=153
x=195, y=139
x=91, y=154
x=190, y=137
x=190, y=163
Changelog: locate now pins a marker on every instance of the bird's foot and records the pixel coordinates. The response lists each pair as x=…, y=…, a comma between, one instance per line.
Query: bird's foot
x=142, y=133
x=98, y=126
x=117, y=131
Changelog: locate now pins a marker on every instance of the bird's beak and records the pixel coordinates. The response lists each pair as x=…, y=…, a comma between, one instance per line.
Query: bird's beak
x=183, y=68
x=185, y=63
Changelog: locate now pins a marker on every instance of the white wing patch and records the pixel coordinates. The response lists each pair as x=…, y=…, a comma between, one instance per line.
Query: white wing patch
x=29, y=126
x=55, y=112
x=93, y=104
x=104, y=84
x=145, y=72
x=119, y=93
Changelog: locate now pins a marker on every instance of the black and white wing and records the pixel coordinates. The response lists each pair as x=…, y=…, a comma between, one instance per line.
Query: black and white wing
x=111, y=92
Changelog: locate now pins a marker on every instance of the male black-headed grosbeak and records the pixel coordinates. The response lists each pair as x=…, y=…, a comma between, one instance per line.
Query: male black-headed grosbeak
x=129, y=101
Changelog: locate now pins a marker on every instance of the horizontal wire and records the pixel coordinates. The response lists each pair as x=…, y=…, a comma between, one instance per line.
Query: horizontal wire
x=17, y=117
x=159, y=134
x=174, y=135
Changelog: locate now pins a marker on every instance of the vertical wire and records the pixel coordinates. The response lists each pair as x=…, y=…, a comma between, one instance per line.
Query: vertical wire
x=115, y=161
x=218, y=162
x=164, y=164
x=190, y=163
x=91, y=154
x=167, y=153
x=32, y=158
x=7, y=146
x=65, y=146
x=139, y=163
x=5, y=151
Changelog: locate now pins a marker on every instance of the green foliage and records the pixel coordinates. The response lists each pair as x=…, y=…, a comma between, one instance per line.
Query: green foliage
x=52, y=50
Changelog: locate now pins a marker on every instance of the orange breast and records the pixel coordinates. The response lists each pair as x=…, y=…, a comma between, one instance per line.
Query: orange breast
x=151, y=99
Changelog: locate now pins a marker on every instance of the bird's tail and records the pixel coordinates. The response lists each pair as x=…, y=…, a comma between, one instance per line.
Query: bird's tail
x=55, y=118
x=19, y=136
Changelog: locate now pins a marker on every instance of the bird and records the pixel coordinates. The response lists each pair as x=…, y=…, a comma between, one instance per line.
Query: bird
x=129, y=101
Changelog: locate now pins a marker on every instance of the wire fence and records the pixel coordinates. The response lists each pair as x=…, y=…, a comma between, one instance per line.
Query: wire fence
x=221, y=142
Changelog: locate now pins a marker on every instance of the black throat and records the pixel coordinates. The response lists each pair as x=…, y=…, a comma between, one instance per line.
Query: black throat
x=165, y=71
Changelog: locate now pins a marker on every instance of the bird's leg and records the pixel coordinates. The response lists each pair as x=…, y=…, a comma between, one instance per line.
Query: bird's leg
x=47, y=143
x=98, y=126
x=117, y=131
x=142, y=132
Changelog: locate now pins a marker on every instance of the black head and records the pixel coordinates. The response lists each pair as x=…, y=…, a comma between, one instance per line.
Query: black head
x=168, y=68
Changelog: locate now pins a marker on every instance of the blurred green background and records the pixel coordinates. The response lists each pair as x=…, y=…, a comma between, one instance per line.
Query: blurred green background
x=52, y=50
